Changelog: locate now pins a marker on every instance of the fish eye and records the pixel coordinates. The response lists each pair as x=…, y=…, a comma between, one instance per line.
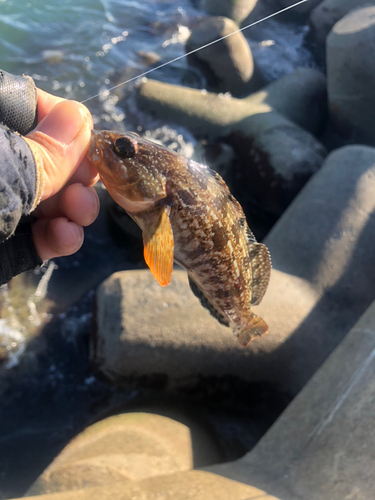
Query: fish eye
x=124, y=147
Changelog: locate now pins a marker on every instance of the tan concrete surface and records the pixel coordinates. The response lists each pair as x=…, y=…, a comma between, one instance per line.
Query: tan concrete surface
x=323, y=445
x=189, y=485
x=124, y=447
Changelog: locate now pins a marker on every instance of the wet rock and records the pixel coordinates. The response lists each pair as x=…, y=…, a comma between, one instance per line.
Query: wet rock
x=324, y=430
x=195, y=484
x=228, y=65
x=125, y=448
x=328, y=13
x=300, y=96
x=351, y=76
x=276, y=157
x=237, y=10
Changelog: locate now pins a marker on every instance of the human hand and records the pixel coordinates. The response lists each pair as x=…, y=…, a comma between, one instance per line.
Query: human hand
x=68, y=202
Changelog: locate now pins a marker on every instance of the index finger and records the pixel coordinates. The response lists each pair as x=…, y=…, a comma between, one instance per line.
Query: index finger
x=46, y=102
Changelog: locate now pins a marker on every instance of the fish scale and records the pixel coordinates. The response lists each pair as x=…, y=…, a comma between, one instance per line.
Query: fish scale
x=187, y=214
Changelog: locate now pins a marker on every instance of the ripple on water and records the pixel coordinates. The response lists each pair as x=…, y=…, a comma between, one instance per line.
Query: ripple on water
x=24, y=310
x=12, y=345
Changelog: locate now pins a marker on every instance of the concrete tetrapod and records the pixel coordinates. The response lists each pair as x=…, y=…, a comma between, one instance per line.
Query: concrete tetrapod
x=328, y=13
x=322, y=446
x=300, y=96
x=321, y=283
x=188, y=485
x=237, y=10
x=351, y=76
x=323, y=263
x=276, y=157
x=228, y=65
x=125, y=448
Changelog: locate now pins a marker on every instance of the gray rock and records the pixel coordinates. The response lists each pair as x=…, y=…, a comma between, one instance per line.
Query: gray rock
x=237, y=10
x=299, y=96
x=276, y=157
x=328, y=12
x=125, y=448
x=351, y=76
x=228, y=65
x=321, y=448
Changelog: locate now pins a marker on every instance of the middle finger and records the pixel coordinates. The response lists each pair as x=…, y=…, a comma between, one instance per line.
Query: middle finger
x=78, y=203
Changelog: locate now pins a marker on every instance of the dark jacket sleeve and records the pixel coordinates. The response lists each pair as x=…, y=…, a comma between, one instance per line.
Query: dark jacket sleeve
x=17, y=181
x=17, y=194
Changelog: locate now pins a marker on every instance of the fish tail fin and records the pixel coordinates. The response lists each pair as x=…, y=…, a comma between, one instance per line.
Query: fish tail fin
x=253, y=328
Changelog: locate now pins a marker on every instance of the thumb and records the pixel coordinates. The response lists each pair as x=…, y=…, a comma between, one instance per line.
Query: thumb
x=59, y=144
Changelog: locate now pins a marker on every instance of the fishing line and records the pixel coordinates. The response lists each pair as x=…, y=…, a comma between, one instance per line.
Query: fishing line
x=196, y=50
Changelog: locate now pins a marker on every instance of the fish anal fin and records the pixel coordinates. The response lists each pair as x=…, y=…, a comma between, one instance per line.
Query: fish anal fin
x=254, y=328
x=260, y=262
x=158, y=247
x=206, y=303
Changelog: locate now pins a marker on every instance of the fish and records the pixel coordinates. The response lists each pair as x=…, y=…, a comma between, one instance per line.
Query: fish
x=187, y=215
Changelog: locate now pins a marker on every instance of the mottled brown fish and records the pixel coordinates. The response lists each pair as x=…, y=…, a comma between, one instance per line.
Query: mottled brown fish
x=187, y=214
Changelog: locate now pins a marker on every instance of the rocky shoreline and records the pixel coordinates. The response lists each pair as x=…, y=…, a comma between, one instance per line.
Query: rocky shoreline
x=271, y=147
x=299, y=153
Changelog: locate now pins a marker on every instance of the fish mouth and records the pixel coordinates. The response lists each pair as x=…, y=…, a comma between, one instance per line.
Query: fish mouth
x=95, y=152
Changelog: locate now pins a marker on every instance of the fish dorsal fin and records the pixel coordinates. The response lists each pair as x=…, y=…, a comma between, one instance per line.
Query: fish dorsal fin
x=206, y=303
x=158, y=247
x=250, y=236
x=260, y=270
x=221, y=182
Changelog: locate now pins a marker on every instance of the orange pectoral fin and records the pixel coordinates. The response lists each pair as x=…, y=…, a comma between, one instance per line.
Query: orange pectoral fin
x=158, y=248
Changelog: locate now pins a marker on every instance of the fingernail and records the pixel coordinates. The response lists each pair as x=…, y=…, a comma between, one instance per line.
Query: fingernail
x=64, y=121
x=90, y=200
x=95, y=203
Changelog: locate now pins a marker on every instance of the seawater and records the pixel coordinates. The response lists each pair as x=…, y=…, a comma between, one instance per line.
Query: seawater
x=102, y=42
